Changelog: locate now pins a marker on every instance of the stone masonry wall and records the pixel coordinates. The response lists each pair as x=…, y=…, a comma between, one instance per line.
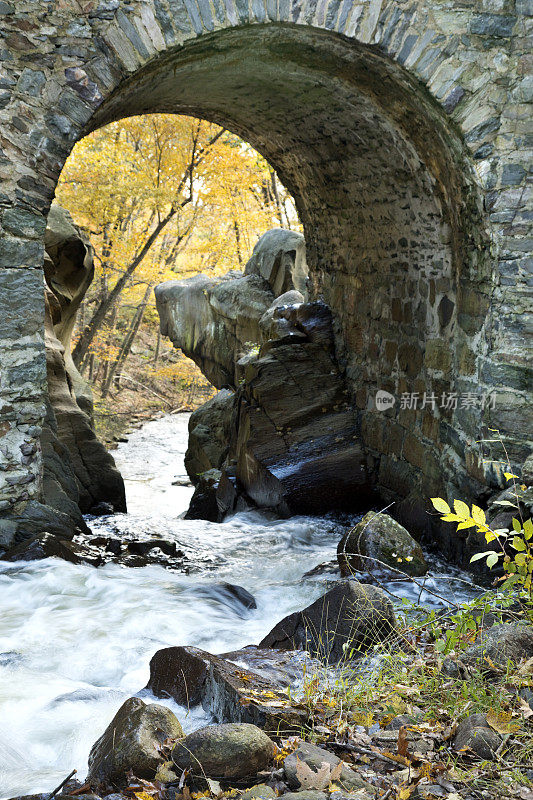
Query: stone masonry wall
x=402, y=127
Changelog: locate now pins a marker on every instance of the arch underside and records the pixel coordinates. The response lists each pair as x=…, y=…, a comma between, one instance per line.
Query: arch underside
x=383, y=191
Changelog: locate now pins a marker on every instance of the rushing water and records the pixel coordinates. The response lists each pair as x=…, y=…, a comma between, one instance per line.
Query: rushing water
x=76, y=641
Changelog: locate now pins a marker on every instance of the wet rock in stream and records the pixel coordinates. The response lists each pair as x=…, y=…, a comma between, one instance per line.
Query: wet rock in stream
x=99, y=550
x=243, y=686
x=347, y=620
x=132, y=741
x=377, y=543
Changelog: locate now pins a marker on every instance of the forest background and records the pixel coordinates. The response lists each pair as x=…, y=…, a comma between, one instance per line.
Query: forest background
x=161, y=197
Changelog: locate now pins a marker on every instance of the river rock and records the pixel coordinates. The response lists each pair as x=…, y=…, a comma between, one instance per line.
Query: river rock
x=378, y=542
x=279, y=258
x=209, y=434
x=224, y=684
x=306, y=794
x=315, y=758
x=46, y=545
x=233, y=750
x=347, y=620
x=474, y=735
x=259, y=792
x=132, y=741
x=295, y=447
x=498, y=645
x=235, y=597
x=204, y=503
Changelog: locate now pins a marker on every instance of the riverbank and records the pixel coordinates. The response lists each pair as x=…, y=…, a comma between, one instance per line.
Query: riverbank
x=76, y=644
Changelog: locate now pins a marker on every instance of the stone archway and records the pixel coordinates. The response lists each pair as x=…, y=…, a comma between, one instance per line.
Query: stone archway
x=374, y=122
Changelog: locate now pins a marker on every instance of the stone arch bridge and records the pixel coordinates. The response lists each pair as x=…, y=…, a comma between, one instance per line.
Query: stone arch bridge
x=402, y=129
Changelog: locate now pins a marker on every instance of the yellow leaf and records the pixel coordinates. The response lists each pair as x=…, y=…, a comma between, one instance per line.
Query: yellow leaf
x=441, y=505
x=467, y=523
x=478, y=514
x=461, y=509
x=510, y=475
x=501, y=721
x=143, y=796
x=451, y=518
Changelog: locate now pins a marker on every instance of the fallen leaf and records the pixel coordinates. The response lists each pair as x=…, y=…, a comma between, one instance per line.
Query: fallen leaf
x=309, y=779
x=403, y=744
x=501, y=722
x=525, y=709
x=407, y=690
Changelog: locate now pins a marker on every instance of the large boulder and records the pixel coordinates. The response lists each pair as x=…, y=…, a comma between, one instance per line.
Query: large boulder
x=497, y=646
x=209, y=434
x=214, y=320
x=243, y=686
x=294, y=444
x=295, y=447
x=378, y=542
x=316, y=758
x=132, y=741
x=232, y=750
x=345, y=622
x=279, y=258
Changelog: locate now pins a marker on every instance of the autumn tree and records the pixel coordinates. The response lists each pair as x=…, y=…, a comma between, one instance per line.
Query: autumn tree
x=161, y=196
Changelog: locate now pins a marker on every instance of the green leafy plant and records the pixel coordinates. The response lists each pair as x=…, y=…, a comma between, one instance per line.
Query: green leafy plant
x=513, y=549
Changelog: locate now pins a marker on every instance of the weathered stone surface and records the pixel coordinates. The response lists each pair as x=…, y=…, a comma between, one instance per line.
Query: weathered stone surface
x=378, y=542
x=296, y=447
x=343, y=623
x=314, y=757
x=214, y=320
x=279, y=258
x=499, y=645
x=222, y=684
x=204, y=504
x=45, y=545
x=231, y=750
x=527, y=471
x=474, y=735
x=306, y=794
x=259, y=792
x=132, y=741
x=209, y=434
x=287, y=438
x=69, y=271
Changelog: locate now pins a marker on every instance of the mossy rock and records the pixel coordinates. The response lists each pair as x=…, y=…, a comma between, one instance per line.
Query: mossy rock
x=379, y=542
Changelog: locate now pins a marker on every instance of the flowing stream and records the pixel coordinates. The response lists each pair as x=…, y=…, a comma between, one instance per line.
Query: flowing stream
x=76, y=641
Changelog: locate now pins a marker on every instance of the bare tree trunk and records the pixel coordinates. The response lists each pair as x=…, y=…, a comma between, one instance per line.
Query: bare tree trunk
x=127, y=343
x=157, y=347
x=282, y=211
x=238, y=240
x=84, y=342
